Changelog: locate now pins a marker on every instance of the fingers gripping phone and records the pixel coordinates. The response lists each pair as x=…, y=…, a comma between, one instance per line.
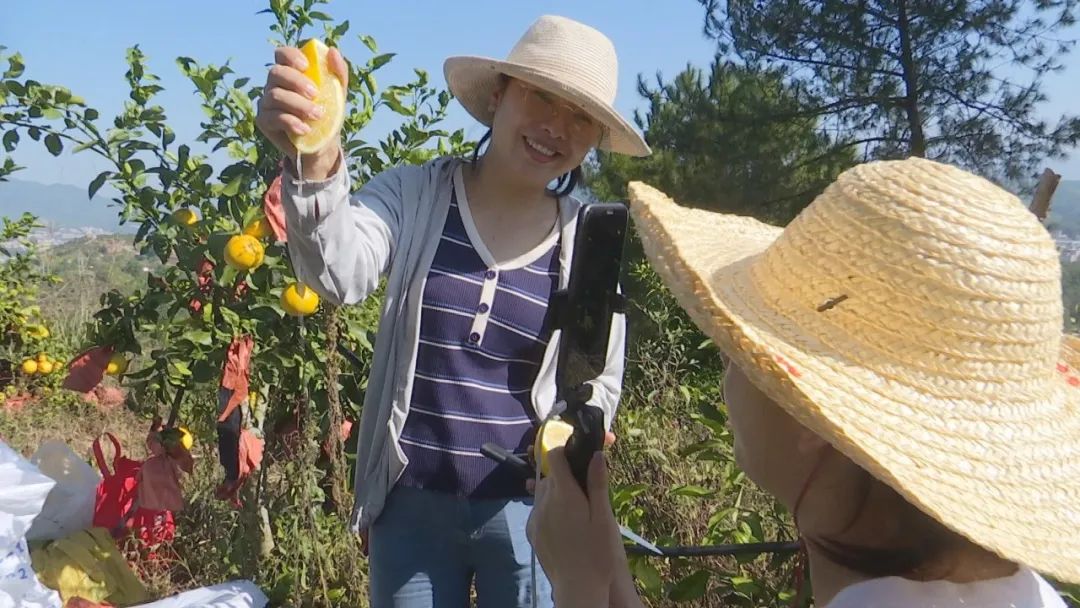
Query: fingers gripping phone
x=583, y=313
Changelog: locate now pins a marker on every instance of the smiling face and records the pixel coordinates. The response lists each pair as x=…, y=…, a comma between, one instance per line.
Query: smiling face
x=536, y=136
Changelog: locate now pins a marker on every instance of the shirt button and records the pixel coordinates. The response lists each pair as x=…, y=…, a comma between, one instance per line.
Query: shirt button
x=474, y=337
x=483, y=308
x=489, y=275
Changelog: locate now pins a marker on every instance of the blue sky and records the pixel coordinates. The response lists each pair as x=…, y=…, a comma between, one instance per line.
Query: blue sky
x=81, y=45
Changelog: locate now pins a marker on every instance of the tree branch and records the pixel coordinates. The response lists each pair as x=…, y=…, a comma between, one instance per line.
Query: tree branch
x=826, y=64
x=836, y=107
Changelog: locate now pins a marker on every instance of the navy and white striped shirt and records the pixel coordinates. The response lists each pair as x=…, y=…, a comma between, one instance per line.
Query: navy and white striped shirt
x=483, y=332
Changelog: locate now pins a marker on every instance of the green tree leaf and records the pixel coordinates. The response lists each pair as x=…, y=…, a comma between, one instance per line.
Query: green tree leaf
x=97, y=183
x=11, y=139
x=53, y=144
x=693, y=491
x=691, y=587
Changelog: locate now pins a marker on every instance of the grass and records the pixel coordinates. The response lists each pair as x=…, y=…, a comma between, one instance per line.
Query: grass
x=67, y=418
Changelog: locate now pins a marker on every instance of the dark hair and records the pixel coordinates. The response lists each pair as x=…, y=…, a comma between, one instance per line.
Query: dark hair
x=563, y=186
x=918, y=547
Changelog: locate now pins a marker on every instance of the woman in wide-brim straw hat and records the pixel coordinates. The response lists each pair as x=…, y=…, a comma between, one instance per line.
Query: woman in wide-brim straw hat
x=472, y=250
x=897, y=378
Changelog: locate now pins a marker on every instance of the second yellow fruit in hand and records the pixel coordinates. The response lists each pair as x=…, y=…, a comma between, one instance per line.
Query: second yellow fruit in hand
x=244, y=252
x=299, y=300
x=552, y=434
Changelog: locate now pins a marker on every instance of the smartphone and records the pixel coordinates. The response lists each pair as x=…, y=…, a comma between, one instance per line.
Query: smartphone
x=592, y=293
x=587, y=305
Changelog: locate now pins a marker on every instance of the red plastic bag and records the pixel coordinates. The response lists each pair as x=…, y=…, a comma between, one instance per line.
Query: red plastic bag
x=87, y=369
x=116, y=492
x=234, y=374
x=136, y=498
x=153, y=526
x=275, y=213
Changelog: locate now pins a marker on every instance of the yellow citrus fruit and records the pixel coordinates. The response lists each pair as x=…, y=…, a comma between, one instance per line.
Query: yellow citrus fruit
x=37, y=331
x=118, y=364
x=185, y=217
x=330, y=97
x=29, y=367
x=259, y=228
x=187, y=440
x=299, y=300
x=42, y=357
x=552, y=434
x=244, y=252
x=45, y=367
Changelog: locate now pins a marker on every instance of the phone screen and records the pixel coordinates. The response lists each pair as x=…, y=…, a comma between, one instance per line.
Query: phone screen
x=591, y=291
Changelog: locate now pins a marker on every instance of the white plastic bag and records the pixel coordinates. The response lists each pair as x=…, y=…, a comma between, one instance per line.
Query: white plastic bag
x=69, y=507
x=233, y=594
x=23, y=490
x=22, y=493
x=18, y=585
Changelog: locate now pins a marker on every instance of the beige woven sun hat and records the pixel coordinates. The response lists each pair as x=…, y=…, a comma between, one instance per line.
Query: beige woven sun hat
x=912, y=317
x=559, y=55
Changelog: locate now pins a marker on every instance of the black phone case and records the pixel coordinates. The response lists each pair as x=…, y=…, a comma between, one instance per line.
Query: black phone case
x=588, y=304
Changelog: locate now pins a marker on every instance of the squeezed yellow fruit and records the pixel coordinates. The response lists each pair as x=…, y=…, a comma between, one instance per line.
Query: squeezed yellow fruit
x=330, y=97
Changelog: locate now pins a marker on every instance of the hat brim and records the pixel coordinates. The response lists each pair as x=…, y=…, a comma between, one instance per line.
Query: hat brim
x=472, y=80
x=1011, y=484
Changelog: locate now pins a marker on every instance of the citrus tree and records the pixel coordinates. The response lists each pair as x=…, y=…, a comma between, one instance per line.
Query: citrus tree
x=226, y=277
x=28, y=354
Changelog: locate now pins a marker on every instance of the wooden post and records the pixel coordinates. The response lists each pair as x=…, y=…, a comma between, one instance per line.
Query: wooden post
x=1044, y=191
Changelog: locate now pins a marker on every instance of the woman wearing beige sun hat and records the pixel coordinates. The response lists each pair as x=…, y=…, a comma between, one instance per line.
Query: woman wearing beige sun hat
x=898, y=379
x=471, y=250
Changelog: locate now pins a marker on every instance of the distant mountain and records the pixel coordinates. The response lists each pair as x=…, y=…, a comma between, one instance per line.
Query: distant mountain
x=60, y=206
x=87, y=268
x=1065, y=209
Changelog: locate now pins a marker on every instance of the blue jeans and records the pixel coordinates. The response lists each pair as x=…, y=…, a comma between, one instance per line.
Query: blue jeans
x=427, y=548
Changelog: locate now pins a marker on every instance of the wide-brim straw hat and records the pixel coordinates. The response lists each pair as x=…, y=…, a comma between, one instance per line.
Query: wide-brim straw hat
x=912, y=317
x=561, y=56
